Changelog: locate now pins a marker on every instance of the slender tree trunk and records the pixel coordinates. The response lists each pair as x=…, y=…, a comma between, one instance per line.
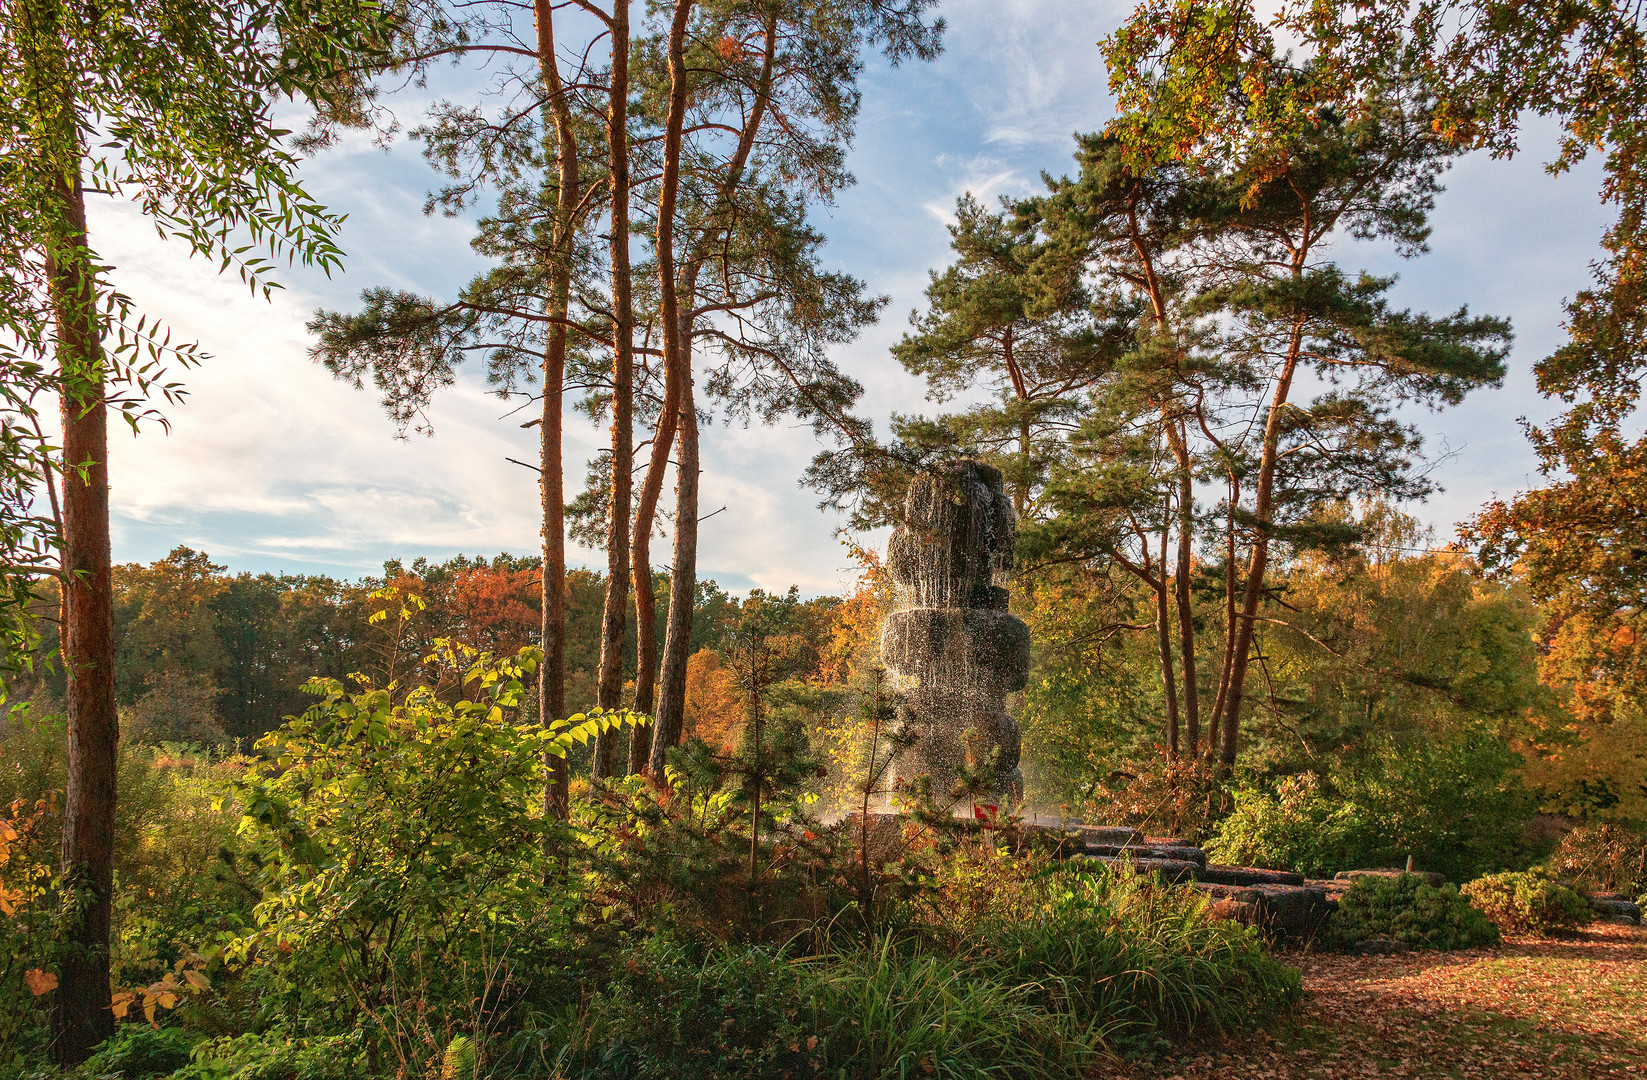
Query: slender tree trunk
x=1214, y=726
x=683, y=583
x=551, y=477
x=663, y=438
x=81, y=1017
x=683, y=580
x=1163, y=641
x=614, y=614
x=1181, y=589
x=1258, y=562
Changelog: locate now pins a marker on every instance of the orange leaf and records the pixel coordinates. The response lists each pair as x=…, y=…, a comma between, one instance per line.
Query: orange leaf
x=40, y=982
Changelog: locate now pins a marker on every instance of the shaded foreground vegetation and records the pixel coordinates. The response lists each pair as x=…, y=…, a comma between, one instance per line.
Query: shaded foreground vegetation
x=385, y=897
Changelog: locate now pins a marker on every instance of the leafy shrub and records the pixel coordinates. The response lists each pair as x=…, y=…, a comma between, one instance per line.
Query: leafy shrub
x=174, y=891
x=1603, y=857
x=1110, y=948
x=274, y=1056
x=1455, y=803
x=1298, y=828
x=27, y=908
x=1182, y=797
x=749, y=1011
x=138, y=1050
x=1022, y=971
x=406, y=866
x=1408, y=910
x=1530, y=902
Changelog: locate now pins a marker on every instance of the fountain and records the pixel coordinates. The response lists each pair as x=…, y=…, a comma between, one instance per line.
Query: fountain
x=951, y=646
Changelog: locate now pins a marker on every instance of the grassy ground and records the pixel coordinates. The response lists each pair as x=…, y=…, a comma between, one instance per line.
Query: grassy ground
x=1527, y=1008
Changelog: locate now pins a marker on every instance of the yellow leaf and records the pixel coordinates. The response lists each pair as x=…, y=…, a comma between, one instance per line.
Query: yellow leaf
x=120, y=1003
x=40, y=982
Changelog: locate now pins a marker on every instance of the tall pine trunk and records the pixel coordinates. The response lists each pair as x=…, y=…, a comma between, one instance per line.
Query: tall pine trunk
x=615, y=611
x=675, y=355
x=683, y=579
x=1181, y=591
x=1253, y=594
x=551, y=477
x=1163, y=641
x=81, y=1017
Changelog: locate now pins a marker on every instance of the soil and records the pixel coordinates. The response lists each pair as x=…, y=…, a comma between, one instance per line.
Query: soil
x=1570, y=1008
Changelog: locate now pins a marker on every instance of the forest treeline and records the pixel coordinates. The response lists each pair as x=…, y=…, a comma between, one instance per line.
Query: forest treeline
x=1385, y=647
x=206, y=657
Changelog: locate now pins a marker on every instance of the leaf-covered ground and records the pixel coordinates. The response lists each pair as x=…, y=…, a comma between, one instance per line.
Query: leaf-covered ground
x=1527, y=1008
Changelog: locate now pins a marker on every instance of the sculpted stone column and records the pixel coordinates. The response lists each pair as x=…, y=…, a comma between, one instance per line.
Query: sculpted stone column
x=951, y=645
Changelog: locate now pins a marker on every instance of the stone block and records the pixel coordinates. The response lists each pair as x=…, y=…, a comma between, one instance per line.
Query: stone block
x=1248, y=875
x=1617, y=909
x=1109, y=834
x=1151, y=851
x=1170, y=870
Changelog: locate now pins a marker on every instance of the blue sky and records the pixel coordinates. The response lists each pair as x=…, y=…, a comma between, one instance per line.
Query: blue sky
x=273, y=465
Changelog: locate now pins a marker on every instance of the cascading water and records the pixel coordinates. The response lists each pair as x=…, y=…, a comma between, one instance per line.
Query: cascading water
x=951, y=645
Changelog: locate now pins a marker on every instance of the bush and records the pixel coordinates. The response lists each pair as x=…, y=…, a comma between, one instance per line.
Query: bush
x=1456, y=804
x=1602, y=858
x=1181, y=797
x=1531, y=902
x=750, y=1011
x=1110, y=948
x=408, y=877
x=1298, y=828
x=138, y=1050
x=273, y=1056
x=1408, y=910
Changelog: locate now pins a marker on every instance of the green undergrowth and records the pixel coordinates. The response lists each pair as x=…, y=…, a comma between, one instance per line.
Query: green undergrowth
x=1029, y=975
x=1409, y=911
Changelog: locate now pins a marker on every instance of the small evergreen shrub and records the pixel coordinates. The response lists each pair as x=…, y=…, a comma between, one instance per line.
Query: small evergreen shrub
x=1605, y=857
x=1407, y=910
x=1530, y=902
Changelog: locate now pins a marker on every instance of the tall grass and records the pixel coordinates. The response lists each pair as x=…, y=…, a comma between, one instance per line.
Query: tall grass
x=1019, y=971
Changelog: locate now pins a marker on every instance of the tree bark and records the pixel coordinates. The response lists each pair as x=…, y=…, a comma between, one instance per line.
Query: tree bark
x=663, y=438
x=81, y=1017
x=683, y=580
x=1163, y=640
x=1181, y=589
x=551, y=478
x=683, y=583
x=614, y=613
x=1263, y=505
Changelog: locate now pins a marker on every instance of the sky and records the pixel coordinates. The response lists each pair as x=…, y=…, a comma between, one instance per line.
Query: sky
x=273, y=465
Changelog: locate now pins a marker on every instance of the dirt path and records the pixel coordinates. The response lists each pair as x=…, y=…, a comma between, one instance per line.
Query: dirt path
x=1572, y=1009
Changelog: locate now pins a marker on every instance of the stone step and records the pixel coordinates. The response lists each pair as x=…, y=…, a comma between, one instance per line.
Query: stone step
x=1617, y=909
x=1286, y=911
x=1108, y=834
x=1171, y=870
x=1248, y=875
x=1151, y=851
